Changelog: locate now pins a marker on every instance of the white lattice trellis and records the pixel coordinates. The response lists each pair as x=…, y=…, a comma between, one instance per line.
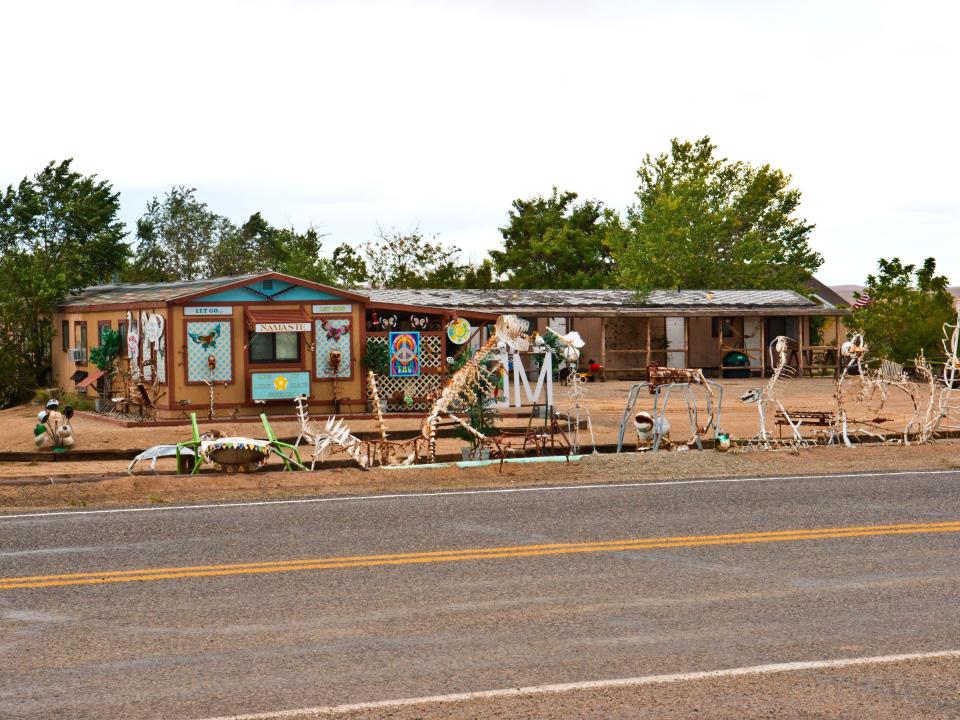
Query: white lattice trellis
x=198, y=334
x=431, y=350
x=335, y=336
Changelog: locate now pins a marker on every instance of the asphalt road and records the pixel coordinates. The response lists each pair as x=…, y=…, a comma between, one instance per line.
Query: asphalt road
x=422, y=602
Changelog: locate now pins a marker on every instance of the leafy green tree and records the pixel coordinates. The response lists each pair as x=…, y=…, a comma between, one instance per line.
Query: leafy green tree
x=554, y=242
x=706, y=222
x=59, y=232
x=177, y=238
x=348, y=267
x=480, y=276
x=906, y=312
x=104, y=356
x=409, y=260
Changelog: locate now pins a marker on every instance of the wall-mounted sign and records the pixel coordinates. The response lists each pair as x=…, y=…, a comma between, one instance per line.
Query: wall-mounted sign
x=458, y=331
x=332, y=309
x=404, y=354
x=282, y=327
x=223, y=310
x=281, y=385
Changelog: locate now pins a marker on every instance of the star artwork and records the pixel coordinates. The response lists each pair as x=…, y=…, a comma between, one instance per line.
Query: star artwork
x=208, y=340
x=280, y=383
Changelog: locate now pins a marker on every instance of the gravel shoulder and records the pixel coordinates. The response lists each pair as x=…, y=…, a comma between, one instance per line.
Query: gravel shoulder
x=107, y=484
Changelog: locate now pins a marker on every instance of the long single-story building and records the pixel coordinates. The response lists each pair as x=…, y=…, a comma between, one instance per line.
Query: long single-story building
x=261, y=340
x=625, y=332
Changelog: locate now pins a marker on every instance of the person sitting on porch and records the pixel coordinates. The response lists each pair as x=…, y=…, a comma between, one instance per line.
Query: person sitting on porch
x=595, y=370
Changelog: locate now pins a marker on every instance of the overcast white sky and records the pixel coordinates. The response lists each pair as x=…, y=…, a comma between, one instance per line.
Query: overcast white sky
x=346, y=115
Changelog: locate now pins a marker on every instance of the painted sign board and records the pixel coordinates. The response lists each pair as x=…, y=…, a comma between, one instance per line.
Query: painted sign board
x=219, y=310
x=282, y=327
x=332, y=309
x=404, y=354
x=279, y=385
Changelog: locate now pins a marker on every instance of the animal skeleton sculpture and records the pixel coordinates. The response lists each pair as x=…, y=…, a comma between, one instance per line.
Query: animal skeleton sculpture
x=462, y=383
x=766, y=399
x=949, y=398
x=869, y=393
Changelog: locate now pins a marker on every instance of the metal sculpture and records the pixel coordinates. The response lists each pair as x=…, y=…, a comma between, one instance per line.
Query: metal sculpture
x=662, y=382
x=766, y=399
x=858, y=403
x=461, y=384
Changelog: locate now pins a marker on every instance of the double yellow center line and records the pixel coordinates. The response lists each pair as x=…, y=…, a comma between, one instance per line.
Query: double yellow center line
x=491, y=553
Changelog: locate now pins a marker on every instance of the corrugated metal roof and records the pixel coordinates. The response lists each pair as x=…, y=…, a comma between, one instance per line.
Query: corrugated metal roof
x=521, y=301
x=118, y=293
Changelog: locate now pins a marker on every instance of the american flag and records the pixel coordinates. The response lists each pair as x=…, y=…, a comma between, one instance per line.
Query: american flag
x=862, y=300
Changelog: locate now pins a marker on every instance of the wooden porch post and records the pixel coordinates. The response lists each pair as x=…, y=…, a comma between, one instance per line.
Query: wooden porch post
x=719, y=347
x=763, y=347
x=647, y=358
x=803, y=323
x=603, y=345
x=686, y=342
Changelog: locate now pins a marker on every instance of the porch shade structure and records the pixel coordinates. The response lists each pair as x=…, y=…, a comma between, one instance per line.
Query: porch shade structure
x=278, y=321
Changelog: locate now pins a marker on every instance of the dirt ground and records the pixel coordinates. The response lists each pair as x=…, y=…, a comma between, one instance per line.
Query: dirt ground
x=608, y=468
x=604, y=401
x=106, y=481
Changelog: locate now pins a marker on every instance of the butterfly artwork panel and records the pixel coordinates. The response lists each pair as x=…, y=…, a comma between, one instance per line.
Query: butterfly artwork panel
x=332, y=335
x=206, y=338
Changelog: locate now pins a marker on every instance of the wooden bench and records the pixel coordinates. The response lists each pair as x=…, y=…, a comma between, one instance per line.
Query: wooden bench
x=814, y=418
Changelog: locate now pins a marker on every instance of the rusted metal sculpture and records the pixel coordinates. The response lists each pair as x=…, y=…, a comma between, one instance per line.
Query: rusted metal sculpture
x=662, y=382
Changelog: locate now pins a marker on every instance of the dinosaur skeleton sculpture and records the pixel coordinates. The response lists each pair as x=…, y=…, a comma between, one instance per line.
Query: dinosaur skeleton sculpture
x=367, y=453
x=462, y=384
x=949, y=399
x=766, y=399
x=870, y=393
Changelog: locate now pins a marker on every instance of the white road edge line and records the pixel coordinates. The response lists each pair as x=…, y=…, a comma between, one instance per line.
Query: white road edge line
x=594, y=684
x=452, y=493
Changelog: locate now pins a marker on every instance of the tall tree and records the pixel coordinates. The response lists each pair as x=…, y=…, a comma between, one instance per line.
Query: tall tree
x=907, y=307
x=706, y=222
x=347, y=266
x=176, y=238
x=257, y=246
x=554, y=242
x=59, y=232
x=409, y=260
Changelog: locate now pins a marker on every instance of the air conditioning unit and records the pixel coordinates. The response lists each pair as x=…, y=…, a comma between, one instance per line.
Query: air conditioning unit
x=78, y=355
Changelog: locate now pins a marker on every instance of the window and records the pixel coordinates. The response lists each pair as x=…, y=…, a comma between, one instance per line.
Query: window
x=102, y=327
x=275, y=347
x=122, y=329
x=80, y=339
x=65, y=334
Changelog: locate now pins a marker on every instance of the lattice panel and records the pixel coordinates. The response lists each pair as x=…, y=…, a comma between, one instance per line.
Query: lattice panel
x=332, y=335
x=431, y=350
x=219, y=343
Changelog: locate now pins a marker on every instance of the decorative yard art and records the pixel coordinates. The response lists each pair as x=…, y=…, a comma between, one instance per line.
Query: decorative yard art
x=206, y=338
x=332, y=357
x=458, y=331
x=404, y=354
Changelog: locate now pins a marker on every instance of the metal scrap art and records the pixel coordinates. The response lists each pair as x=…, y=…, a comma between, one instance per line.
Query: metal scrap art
x=653, y=428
